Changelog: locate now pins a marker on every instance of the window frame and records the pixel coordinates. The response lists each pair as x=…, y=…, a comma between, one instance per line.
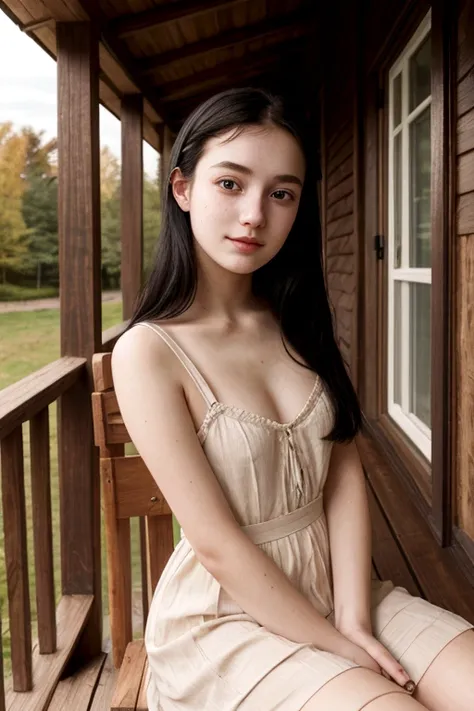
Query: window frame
x=429, y=484
x=414, y=428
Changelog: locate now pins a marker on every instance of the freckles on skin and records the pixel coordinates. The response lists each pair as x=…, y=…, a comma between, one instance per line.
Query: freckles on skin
x=256, y=202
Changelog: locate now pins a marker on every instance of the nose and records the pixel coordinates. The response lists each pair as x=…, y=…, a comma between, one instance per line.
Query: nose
x=252, y=211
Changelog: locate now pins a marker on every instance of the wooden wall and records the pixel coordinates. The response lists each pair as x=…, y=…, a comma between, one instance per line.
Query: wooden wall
x=465, y=269
x=362, y=34
x=339, y=169
x=341, y=240
x=359, y=29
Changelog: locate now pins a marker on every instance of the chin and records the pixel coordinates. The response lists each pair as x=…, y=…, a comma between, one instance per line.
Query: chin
x=243, y=265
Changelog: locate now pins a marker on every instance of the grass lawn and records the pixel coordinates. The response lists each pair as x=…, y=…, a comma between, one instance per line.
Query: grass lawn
x=28, y=341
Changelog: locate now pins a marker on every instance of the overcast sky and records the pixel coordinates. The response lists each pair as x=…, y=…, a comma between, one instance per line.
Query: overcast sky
x=28, y=91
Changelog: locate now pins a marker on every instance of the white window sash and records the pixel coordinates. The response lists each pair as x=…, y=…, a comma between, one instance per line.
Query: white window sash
x=404, y=275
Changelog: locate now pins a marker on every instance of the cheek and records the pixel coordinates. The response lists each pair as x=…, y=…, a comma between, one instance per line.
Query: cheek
x=208, y=210
x=282, y=222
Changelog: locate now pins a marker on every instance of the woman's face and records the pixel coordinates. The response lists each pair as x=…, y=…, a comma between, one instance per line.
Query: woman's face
x=249, y=187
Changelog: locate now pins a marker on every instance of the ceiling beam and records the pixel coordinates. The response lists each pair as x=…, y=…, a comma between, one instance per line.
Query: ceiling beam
x=122, y=55
x=279, y=80
x=169, y=12
x=181, y=108
x=284, y=25
x=225, y=71
x=219, y=83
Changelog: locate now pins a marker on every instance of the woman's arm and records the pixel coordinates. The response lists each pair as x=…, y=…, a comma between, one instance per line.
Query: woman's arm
x=347, y=513
x=152, y=403
x=348, y=517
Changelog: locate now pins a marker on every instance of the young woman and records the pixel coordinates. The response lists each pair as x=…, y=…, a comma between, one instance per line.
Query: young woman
x=234, y=392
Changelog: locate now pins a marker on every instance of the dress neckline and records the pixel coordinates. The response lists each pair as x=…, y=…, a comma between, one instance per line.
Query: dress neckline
x=243, y=415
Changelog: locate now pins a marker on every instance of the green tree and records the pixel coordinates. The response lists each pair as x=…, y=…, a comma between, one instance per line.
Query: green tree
x=151, y=220
x=40, y=206
x=110, y=217
x=13, y=231
x=41, y=217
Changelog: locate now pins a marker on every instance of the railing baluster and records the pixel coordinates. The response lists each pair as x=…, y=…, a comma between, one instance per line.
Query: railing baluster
x=42, y=531
x=2, y=677
x=16, y=558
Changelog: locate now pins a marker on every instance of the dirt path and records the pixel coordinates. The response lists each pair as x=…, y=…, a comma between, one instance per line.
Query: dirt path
x=39, y=304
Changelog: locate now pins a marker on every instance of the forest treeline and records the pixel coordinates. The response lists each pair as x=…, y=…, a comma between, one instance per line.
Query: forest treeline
x=28, y=211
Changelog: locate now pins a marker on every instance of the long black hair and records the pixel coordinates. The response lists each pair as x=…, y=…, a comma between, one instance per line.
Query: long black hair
x=291, y=283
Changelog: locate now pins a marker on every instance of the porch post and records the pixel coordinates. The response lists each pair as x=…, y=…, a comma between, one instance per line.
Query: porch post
x=80, y=313
x=132, y=200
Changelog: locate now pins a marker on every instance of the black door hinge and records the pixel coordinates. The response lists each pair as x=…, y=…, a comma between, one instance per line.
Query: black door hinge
x=379, y=246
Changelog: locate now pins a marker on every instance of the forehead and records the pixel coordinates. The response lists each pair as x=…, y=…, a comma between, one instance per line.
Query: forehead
x=265, y=150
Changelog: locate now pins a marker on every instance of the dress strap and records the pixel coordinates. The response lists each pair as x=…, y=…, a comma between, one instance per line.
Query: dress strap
x=200, y=382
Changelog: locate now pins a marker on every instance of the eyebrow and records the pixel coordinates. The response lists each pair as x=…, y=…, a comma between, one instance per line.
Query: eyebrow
x=286, y=178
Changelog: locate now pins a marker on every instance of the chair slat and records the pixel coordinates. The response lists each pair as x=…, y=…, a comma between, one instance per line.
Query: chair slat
x=142, y=703
x=114, y=427
x=144, y=570
x=136, y=492
x=160, y=546
x=43, y=531
x=130, y=678
x=102, y=371
x=128, y=490
x=119, y=567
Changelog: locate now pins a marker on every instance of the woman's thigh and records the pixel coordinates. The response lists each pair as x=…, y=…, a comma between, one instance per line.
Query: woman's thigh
x=360, y=688
x=447, y=684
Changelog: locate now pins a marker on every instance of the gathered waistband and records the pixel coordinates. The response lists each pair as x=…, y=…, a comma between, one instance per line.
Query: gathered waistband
x=283, y=526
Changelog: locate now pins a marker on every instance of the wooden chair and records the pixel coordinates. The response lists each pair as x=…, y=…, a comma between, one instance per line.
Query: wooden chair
x=128, y=490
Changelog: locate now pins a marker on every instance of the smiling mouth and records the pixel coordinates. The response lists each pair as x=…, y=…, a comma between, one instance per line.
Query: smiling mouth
x=246, y=240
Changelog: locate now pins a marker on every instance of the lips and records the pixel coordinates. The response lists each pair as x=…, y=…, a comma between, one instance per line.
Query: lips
x=246, y=240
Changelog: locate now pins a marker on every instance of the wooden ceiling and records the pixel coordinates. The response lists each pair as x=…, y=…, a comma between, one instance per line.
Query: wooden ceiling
x=179, y=52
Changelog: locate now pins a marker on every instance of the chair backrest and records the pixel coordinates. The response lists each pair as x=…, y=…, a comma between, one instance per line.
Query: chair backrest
x=128, y=490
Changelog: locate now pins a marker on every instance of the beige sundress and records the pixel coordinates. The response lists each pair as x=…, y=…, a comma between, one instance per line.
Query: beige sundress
x=205, y=653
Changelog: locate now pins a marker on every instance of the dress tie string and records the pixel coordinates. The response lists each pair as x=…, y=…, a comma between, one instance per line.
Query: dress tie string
x=295, y=466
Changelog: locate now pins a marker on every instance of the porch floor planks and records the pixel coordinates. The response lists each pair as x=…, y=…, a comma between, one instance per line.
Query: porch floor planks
x=387, y=558
x=438, y=577
x=71, y=616
x=105, y=688
x=77, y=691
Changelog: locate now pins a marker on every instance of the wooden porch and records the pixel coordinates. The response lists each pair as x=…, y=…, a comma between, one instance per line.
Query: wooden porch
x=150, y=63
x=403, y=550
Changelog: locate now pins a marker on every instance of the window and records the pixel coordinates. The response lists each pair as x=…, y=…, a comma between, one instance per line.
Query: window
x=409, y=240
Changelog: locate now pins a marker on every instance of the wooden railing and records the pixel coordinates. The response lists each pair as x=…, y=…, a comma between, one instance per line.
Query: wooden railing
x=36, y=668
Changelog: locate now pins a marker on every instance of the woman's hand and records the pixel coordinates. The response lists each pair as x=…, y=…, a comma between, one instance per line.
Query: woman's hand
x=359, y=656
x=381, y=657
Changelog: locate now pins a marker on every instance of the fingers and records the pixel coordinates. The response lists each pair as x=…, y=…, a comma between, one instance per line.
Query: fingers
x=390, y=666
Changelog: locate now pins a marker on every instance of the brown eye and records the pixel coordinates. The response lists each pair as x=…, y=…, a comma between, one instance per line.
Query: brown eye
x=282, y=193
x=227, y=183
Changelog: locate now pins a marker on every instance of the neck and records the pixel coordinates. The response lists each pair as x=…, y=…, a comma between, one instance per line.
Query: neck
x=223, y=295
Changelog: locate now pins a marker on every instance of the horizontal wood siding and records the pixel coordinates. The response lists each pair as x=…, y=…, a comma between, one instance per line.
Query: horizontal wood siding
x=340, y=184
x=340, y=237
x=465, y=271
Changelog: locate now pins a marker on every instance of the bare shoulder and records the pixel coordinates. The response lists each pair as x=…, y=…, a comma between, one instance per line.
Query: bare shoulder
x=142, y=348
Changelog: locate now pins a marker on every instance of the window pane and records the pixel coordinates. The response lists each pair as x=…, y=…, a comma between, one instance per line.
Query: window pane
x=420, y=74
x=420, y=352
x=397, y=200
x=397, y=343
x=420, y=191
x=397, y=100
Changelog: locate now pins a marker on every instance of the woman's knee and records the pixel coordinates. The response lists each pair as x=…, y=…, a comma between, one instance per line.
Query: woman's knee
x=360, y=688
x=394, y=701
